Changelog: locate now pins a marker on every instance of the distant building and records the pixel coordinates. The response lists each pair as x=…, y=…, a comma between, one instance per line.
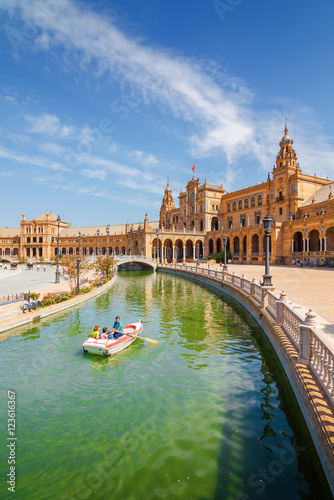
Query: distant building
x=302, y=207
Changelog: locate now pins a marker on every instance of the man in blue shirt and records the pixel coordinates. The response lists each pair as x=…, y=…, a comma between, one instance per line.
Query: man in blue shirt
x=117, y=330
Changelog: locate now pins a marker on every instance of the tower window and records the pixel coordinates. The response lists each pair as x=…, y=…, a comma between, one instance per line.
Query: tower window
x=280, y=210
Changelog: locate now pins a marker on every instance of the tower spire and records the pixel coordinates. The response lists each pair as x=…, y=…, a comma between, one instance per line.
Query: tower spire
x=286, y=127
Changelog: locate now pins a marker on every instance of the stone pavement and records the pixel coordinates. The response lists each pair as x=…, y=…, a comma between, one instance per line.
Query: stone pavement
x=305, y=287
x=23, y=280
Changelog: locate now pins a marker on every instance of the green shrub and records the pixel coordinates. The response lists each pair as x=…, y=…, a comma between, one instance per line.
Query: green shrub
x=219, y=257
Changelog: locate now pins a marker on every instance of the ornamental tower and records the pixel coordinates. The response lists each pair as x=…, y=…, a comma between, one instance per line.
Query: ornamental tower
x=166, y=206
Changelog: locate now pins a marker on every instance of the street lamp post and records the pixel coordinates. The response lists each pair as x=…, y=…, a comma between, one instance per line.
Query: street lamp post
x=117, y=250
x=78, y=275
x=157, y=245
x=79, y=236
x=267, y=223
x=83, y=246
x=57, y=280
x=98, y=242
x=225, y=243
x=107, y=231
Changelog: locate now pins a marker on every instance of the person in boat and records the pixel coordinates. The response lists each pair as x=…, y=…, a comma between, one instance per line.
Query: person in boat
x=96, y=332
x=104, y=334
x=117, y=330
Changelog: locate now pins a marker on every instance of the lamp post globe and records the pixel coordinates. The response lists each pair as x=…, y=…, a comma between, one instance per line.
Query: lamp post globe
x=267, y=225
x=225, y=243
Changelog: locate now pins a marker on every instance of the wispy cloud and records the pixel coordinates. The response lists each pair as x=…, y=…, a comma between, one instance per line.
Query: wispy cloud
x=145, y=159
x=47, y=124
x=36, y=160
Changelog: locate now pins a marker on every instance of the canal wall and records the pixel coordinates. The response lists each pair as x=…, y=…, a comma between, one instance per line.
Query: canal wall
x=32, y=317
x=305, y=352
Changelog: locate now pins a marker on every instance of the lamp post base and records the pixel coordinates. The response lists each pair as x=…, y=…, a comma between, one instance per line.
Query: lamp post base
x=267, y=280
x=225, y=268
x=57, y=280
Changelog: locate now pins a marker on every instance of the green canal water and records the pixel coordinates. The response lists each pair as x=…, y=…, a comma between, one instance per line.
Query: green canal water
x=205, y=414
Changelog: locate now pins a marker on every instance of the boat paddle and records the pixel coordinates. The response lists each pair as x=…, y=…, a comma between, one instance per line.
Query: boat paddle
x=144, y=338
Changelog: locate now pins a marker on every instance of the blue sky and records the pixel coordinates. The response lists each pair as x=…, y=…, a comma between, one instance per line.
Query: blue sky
x=101, y=101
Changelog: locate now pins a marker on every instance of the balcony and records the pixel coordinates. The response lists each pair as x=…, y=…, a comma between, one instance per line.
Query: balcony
x=279, y=198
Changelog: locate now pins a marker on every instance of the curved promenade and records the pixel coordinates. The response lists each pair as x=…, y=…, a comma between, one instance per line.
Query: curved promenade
x=39, y=314
x=304, y=349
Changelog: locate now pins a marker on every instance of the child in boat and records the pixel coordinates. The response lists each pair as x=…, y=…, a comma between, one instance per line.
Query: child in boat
x=104, y=333
x=96, y=332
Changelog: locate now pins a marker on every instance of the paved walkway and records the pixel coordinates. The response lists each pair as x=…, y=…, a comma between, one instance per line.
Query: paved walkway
x=305, y=287
x=23, y=280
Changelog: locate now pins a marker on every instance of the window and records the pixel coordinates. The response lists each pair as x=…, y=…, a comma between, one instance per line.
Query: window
x=257, y=217
x=280, y=210
x=259, y=200
x=234, y=206
x=28, y=239
x=240, y=204
x=34, y=240
x=246, y=203
x=40, y=239
x=201, y=208
x=271, y=193
x=230, y=222
x=292, y=188
x=229, y=207
x=243, y=220
x=213, y=207
x=216, y=207
x=253, y=202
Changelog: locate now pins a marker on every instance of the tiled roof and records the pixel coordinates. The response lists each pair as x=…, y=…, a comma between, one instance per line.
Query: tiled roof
x=113, y=230
x=51, y=217
x=9, y=232
x=321, y=195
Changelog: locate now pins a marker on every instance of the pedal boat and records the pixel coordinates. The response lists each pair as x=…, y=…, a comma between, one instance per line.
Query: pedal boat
x=106, y=347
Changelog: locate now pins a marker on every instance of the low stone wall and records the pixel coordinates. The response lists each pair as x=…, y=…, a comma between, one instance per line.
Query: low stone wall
x=39, y=314
x=314, y=398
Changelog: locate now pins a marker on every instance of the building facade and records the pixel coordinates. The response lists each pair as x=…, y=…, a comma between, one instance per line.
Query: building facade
x=302, y=208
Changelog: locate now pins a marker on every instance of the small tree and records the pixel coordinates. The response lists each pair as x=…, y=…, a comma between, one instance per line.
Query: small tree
x=69, y=269
x=105, y=265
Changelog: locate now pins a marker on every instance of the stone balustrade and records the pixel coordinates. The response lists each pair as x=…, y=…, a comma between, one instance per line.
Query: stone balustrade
x=304, y=332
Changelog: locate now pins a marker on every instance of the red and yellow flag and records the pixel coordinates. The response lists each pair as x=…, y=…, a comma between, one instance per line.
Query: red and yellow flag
x=193, y=168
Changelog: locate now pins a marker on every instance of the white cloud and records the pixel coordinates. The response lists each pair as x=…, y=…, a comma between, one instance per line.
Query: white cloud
x=38, y=161
x=218, y=106
x=95, y=174
x=145, y=159
x=48, y=125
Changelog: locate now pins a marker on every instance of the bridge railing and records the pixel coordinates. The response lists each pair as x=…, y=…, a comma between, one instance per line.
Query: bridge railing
x=314, y=347
x=134, y=257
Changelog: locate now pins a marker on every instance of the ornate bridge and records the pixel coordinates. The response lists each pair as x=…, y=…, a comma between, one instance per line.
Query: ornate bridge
x=144, y=261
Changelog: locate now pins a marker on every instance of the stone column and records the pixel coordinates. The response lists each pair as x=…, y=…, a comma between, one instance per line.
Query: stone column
x=308, y=244
x=310, y=323
x=279, y=308
x=184, y=253
x=292, y=246
x=325, y=244
x=194, y=251
x=173, y=254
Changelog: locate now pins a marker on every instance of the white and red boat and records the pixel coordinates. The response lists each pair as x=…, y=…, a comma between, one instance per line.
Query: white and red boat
x=106, y=347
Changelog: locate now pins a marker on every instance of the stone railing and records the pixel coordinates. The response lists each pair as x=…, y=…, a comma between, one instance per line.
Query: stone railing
x=313, y=346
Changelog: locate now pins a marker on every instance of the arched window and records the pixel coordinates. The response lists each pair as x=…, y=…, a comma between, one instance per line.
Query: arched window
x=253, y=202
x=234, y=205
x=28, y=239
x=246, y=203
x=229, y=207
x=259, y=200
x=240, y=204
x=34, y=240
